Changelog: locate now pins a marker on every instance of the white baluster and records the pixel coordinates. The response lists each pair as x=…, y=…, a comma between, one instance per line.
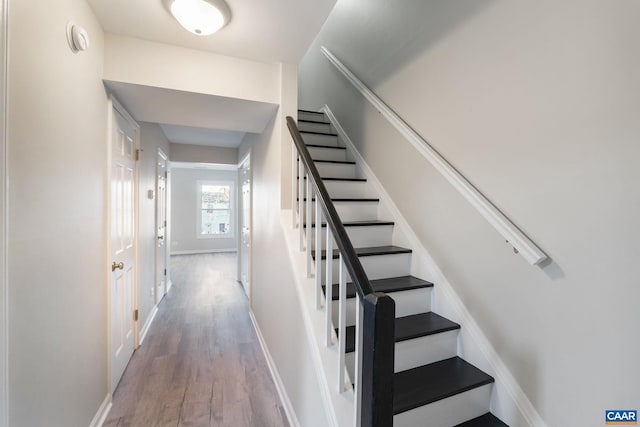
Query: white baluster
x=318, y=254
x=328, y=291
x=294, y=157
x=342, y=325
x=357, y=372
x=301, y=201
x=309, y=222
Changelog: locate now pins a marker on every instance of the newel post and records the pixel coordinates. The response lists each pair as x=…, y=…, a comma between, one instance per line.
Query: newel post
x=378, y=345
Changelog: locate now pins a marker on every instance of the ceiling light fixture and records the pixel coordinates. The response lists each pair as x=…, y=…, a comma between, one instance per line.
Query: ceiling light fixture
x=200, y=17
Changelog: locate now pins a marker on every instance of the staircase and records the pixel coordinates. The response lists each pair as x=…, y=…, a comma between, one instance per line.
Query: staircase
x=432, y=386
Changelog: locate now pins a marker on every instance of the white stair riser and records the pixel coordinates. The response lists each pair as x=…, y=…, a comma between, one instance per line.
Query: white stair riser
x=305, y=115
x=319, y=139
x=376, y=267
x=448, y=412
x=351, y=211
x=315, y=127
x=424, y=350
x=346, y=189
x=410, y=302
x=418, y=352
x=318, y=153
x=379, y=235
x=349, y=189
x=337, y=170
x=349, y=361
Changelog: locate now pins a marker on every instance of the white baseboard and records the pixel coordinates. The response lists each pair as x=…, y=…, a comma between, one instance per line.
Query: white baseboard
x=102, y=413
x=147, y=324
x=509, y=401
x=282, y=392
x=169, y=285
x=203, y=251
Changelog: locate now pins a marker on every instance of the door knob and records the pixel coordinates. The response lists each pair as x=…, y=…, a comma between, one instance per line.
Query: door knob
x=119, y=265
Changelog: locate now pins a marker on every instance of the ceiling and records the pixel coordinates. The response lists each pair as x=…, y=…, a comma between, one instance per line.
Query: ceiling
x=194, y=118
x=261, y=30
x=202, y=136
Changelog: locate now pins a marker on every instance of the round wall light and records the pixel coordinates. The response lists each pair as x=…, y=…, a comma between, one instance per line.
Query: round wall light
x=200, y=17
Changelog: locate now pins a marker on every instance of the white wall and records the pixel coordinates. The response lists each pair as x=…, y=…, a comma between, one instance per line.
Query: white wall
x=536, y=104
x=57, y=232
x=288, y=107
x=151, y=139
x=274, y=301
x=184, y=211
x=203, y=154
x=137, y=61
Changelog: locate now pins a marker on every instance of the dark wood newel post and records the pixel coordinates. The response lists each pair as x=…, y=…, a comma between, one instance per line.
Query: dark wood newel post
x=378, y=360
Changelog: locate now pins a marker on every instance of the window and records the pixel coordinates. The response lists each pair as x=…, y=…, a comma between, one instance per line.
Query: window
x=215, y=209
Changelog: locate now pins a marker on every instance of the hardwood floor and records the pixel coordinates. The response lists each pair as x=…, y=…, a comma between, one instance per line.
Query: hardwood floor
x=201, y=363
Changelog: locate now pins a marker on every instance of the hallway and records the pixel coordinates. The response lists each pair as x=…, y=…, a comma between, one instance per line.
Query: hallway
x=201, y=363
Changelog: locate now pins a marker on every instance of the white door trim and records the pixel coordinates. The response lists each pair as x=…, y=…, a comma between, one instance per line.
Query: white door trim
x=4, y=288
x=160, y=293
x=246, y=159
x=168, y=229
x=113, y=104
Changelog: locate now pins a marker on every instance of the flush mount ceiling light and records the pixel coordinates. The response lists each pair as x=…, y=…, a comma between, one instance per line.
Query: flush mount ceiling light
x=200, y=17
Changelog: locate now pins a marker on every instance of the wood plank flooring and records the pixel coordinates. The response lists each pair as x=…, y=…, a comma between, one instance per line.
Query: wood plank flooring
x=201, y=363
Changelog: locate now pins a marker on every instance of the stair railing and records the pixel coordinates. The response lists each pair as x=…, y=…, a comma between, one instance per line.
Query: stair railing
x=375, y=312
x=521, y=244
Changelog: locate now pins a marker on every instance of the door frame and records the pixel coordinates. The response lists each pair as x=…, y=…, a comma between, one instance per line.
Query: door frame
x=245, y=159
x=4, y=288
x=167, y=231
x=159, y=296
x=113, y=105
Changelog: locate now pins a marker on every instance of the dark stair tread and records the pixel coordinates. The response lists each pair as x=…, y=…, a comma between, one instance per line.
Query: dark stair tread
x=410, y=327
x=324, y=178
x=340, y=162
x=370, y=223
x=319, y=120
x=430, y=383
x=318, y=133
x=332, y=147
x=387, y=285
x=348, y=199
x=486, y=420
x=313, y=121
x=344, y=179
x=369, y=251
x=310, y=111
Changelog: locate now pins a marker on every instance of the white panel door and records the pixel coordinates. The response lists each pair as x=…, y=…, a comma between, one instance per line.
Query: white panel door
x=123, y=273
x=161, y=226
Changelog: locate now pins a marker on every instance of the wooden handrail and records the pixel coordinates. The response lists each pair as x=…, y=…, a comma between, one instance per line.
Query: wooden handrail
x=378, y=325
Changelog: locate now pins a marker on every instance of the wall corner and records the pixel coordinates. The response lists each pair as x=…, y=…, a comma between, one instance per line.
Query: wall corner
x=288, y=107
